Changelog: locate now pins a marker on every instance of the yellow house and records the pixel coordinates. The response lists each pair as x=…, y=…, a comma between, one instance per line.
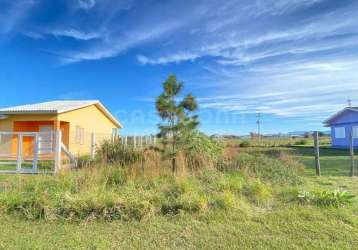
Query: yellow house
x=79, y=121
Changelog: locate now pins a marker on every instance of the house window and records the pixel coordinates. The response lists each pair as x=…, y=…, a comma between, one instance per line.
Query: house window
x=355, y=132
x=340, y=132
x=80, y=135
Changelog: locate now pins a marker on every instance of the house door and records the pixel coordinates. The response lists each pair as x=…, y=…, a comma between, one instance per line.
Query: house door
x=45, y=140
x=29, y=149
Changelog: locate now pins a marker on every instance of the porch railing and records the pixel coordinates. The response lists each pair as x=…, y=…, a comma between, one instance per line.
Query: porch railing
x=33, y=152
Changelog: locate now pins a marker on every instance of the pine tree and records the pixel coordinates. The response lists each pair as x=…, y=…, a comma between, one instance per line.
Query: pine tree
x=176, y=116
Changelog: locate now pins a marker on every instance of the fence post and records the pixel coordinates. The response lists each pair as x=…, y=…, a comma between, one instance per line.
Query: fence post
x=351, y=151
x=126, y=140
x=58, y=141
x=93, y=145
x=134, y=141
x=316, y=153
x=19, y=152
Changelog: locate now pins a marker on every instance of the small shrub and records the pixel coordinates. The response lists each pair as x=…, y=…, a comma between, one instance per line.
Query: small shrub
x=193, y=202
x=200, y=150
x=305, y=197
x=224, y=201
x=334, y=198
x=257, y=192
x=244, y=144
x=229, y=182
x=137, y=209
x=182, y=195
x=114, y=176
x=86, y=162
x=116, y=152
x=301, y=142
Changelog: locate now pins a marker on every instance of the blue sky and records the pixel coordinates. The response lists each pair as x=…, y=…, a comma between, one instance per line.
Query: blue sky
x=294, y=61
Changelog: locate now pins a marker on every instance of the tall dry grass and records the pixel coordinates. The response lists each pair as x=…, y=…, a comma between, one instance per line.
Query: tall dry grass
x=140, y=186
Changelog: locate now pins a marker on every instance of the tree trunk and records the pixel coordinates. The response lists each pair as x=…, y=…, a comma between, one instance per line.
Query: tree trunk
x=173, y=165
x=173, y=156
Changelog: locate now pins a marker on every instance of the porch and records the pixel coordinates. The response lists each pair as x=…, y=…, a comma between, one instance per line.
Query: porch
x=35, y=147
x=46, y=132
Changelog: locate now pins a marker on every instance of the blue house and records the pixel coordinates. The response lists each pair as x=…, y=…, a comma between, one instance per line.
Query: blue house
x=342, y=124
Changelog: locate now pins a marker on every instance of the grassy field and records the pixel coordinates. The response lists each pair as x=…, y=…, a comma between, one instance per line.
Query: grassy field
x=266, y=216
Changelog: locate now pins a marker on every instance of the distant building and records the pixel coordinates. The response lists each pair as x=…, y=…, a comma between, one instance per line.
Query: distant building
x=342, y=124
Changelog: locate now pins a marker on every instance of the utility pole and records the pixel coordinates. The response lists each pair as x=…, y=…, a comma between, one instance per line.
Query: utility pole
x=258, y=122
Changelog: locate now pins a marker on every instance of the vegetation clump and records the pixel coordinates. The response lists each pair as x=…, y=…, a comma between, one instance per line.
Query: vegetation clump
x=301, y=142
x=116, y=152
x=114, y=191
x=107, y=194
x=278, y=169
x=244, y=144
x=335, y=198
x=200, y=151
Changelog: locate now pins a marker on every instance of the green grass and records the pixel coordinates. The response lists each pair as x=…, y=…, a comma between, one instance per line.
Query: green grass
x=291, y=227
x=266, y=216
x=334, y=162
x=45, y=165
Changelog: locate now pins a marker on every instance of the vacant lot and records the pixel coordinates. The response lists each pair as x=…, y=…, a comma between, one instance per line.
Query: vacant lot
x=259, y=210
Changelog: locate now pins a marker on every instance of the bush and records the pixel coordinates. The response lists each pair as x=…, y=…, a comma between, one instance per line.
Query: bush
x=244, y=144
x=334, y=198
x=114, y=176
x=224, y=201
x=257, y=192
x=200, y=150
x=301, y=142
x=182, y=195
x=115, y=152
x=86, y=162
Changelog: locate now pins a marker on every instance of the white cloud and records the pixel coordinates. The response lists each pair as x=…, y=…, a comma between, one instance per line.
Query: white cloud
x=14, y=13
x=33, y=35
x=175, y=58
x=76, y=34
x=309, y=37
x=86, y=4
x=117, y=45
x=299, y=89
x=279, y=7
